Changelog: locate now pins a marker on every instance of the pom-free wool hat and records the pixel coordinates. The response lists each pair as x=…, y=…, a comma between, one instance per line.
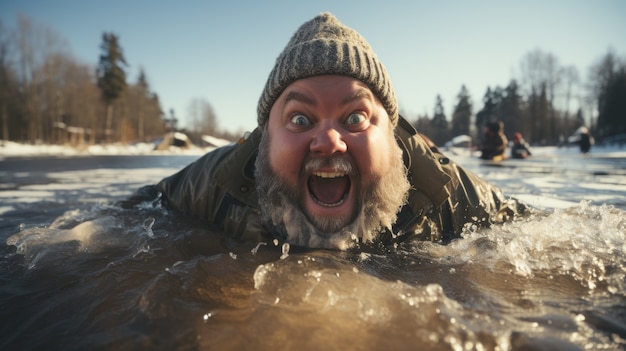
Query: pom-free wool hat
x=322, y=46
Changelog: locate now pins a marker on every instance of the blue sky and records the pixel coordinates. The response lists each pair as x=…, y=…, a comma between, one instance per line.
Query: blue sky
x=223, y=51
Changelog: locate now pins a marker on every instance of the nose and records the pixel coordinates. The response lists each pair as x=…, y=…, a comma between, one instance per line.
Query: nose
x=327, y=141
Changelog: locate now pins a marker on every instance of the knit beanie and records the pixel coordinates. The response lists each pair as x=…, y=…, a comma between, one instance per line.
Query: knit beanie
x=322, y=46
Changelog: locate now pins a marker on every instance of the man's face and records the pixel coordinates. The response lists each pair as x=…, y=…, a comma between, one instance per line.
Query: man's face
x=328, y=146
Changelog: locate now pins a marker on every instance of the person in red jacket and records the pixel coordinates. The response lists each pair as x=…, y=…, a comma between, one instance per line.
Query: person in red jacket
x=520, y=148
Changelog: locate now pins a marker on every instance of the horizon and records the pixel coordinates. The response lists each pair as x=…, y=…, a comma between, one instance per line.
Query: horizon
x=429, y=49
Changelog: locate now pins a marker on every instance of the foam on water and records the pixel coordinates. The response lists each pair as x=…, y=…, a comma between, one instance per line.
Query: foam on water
x=565, y=239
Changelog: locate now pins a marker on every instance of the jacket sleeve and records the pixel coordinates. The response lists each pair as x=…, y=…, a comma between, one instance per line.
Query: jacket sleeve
x=473, y=202
x=218, y=189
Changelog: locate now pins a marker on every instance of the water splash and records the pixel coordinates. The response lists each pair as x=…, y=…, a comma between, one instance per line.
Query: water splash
x=87, y=231
x=147, y=225
x=343, y=304
x=584, y=242
x=555, y=278
x=257, y=247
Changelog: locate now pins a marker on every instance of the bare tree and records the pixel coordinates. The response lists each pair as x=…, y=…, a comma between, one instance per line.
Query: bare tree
x=541, y=75
x=607, y=88
x=570, y=79
x=202, y=116
x=52, y=98
x=53, y=72
x=5, y=80
x=81, y=102
x=37, y=47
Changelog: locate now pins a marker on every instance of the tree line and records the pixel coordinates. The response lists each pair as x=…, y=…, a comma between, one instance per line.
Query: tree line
x=538, y=103
x=46, y=96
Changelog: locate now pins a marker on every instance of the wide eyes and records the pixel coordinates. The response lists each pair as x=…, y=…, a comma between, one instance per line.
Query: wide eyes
x=300, y=120
x=354, y=122
x=355, y=118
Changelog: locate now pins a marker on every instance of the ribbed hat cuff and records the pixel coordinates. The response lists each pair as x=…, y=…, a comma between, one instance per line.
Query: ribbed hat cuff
x=306, y=56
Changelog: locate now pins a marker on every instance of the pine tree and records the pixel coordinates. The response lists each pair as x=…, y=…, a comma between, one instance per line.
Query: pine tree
x=612, y=105
x=488, y=112
x=142, y=86
x=538, y=106
x=462, y=114
x=111, y=77
x=510, y=111
x=439, y=123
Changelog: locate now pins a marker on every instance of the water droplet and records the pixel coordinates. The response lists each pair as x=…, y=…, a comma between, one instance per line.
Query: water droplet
x=256, y=248
x=285, y=250
x=207, y=316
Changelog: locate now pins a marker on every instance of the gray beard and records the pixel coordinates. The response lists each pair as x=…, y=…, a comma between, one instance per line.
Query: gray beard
x=377, y=206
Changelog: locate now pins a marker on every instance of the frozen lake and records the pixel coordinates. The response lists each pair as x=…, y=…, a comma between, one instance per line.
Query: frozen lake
x=558, y=177
x=79, y=272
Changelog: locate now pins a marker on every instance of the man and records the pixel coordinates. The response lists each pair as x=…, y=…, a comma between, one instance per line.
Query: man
x=331, y=164
x=495, y=142
x=586, y=140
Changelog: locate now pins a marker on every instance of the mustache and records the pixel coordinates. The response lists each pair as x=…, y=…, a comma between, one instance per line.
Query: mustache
x=338, y=163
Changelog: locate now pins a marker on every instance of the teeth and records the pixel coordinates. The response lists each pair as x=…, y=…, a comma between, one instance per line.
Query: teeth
x=329, y=174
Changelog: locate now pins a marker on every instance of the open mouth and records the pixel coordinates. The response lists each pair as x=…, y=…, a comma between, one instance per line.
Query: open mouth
x=329, y=189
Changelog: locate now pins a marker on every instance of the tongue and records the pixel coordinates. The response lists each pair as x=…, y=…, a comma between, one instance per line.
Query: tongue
x=329, y=190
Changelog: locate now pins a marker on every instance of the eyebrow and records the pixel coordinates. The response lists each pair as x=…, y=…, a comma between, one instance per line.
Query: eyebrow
x=361, y=93
x=357, y=95
x=297, y=96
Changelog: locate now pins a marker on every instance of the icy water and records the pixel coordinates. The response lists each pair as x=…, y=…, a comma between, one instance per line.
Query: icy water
x=78, y=272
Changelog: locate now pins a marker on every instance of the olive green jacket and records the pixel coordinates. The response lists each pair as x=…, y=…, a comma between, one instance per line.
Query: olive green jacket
x=219, y=188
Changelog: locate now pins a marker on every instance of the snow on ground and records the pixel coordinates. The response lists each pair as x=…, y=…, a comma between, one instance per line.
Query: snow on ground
x=552, y=178
x=598, y=150
x=12, y=149
x=612, y=151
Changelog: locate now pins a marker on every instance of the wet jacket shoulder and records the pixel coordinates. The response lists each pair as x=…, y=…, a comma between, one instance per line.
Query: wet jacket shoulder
x=445, y=197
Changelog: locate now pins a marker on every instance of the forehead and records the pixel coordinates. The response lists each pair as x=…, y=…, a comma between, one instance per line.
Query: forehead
x=326, y=89
x=333, y=84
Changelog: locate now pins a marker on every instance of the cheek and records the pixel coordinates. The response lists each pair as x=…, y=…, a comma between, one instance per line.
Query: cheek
x=373, y=155
x=287, y=153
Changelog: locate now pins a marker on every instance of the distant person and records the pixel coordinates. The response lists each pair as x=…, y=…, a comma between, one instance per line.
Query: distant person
x=495, y=143
x=520, y=148
x=586, y=140
x=331, y=163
